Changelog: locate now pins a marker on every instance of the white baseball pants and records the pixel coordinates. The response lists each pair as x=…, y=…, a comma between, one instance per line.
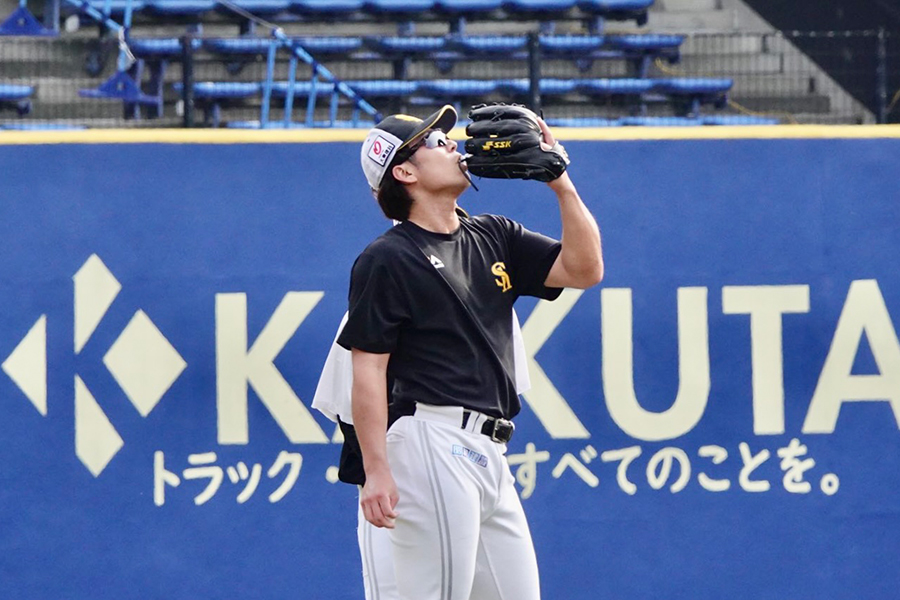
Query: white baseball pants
x=460, y=533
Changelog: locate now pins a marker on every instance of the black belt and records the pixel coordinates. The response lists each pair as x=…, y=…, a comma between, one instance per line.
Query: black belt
x=499, y=430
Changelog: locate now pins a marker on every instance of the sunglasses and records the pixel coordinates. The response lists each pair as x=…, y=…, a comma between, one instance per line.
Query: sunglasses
x=433, y=139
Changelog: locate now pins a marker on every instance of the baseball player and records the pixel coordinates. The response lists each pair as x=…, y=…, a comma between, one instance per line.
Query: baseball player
x=332, y=398
x=430, y=309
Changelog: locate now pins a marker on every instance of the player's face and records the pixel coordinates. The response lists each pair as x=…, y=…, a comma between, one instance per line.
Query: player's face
x=437, y=163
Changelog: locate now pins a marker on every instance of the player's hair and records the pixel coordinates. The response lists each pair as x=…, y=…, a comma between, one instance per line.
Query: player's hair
x=394, y=198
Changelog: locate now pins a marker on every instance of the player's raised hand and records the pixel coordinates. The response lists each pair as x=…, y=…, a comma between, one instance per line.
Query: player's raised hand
x=549, y=144
x=378, y=498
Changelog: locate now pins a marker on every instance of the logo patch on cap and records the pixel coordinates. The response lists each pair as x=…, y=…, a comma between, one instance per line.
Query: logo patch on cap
x=380, y=150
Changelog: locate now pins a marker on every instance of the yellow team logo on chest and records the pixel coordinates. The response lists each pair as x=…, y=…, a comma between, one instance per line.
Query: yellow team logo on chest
x=503, y=280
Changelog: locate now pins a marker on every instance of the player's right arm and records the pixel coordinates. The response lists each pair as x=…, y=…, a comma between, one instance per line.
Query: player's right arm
x=369, y=401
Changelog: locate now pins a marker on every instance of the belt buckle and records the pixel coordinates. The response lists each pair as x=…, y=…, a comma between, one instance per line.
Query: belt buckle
x=502, y=431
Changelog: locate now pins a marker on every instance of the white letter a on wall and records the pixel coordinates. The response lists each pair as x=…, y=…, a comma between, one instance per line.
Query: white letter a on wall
x=864, y=313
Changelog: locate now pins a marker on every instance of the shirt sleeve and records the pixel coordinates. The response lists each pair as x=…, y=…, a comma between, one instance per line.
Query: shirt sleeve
x=532, y=255
x=376, y=308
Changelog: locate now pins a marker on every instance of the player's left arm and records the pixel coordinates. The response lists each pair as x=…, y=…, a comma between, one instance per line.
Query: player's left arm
x=580, y=262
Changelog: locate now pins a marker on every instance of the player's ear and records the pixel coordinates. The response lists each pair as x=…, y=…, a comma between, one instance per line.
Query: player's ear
x=404, y=173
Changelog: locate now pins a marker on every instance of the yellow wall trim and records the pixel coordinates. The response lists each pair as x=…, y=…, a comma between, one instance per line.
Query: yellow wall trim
x=302, y=136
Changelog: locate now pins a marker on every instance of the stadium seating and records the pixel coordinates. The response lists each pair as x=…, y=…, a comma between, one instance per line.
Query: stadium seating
x=212, y=97
x=253, y=46
x=141, y=84
x=445, y=51
x=22, y=22
x=16, y=97
x=693, y=92
x=454, y=12
x=28, y=126
x=686, y=95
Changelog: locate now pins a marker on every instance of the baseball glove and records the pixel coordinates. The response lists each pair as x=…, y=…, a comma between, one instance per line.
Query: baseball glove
x=504, y=142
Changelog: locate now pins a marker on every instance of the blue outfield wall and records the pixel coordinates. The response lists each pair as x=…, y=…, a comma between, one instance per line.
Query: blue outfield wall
x=718, y=419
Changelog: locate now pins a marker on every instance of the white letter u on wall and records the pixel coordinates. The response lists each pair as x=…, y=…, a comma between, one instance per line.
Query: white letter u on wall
x=618, y=366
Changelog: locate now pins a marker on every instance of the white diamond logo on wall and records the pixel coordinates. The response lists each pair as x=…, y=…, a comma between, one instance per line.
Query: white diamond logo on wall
x=27, y=365
x=95, y=290
x=144, y=363
x=96, y=440
x=141, y=360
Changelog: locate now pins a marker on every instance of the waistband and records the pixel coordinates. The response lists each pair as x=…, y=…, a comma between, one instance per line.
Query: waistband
x=499, y=430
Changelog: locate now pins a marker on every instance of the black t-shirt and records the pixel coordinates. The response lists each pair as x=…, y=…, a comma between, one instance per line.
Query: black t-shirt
x=441, y=305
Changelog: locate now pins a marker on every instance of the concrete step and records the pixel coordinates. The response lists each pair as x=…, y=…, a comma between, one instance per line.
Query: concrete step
x=687, y=22
x=731, y=65
x=722, y=44
x=834, y=119
x=686, y=5
x=809, y=104
x=788, y=84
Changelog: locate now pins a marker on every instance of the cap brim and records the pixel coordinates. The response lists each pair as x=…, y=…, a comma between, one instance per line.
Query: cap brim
x=444, y=119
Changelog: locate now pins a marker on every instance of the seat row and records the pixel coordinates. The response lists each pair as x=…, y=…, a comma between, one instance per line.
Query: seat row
x=717, y=120
x=709, y=89
x=154, y=54
x=687, y=94
x=445, y=51
x=379, y=9
x=394, y=46
x=16, y=97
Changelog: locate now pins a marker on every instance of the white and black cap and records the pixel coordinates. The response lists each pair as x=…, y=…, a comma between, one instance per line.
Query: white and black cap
x=395, y=133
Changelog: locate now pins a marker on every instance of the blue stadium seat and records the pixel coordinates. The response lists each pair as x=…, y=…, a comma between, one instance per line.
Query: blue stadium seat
x=17, y=97
x=614, y=87
x=390, y=7
x=239, y=45
x=298, y=125
x=154, y=54
x=210, y=96
x=615, y=10
x=538, y=6
x=454, y=91
x=116, y=7
x=577, y=45
x=695, y=91
x=303, y=88
x=613, y=6
x=488, y=44
x=548, y=87
x=222, y=90
x=659, y=122
x=645, y=42
x=583, y=122
x=383, y=88
x=168, y=8
x=467, y=7
x=32, y=126
x=403, y=45
x=738, y=120
x=457, y=88
x=152, y=48
x=326, y=8
x=12, y=93
x=21, y=22
x=642, y=49
x=330, y=44
x=693, y=85
x=257, y=45
x=259, y=7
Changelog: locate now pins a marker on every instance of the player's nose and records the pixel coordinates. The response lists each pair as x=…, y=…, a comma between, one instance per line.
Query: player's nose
x=452, y=145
